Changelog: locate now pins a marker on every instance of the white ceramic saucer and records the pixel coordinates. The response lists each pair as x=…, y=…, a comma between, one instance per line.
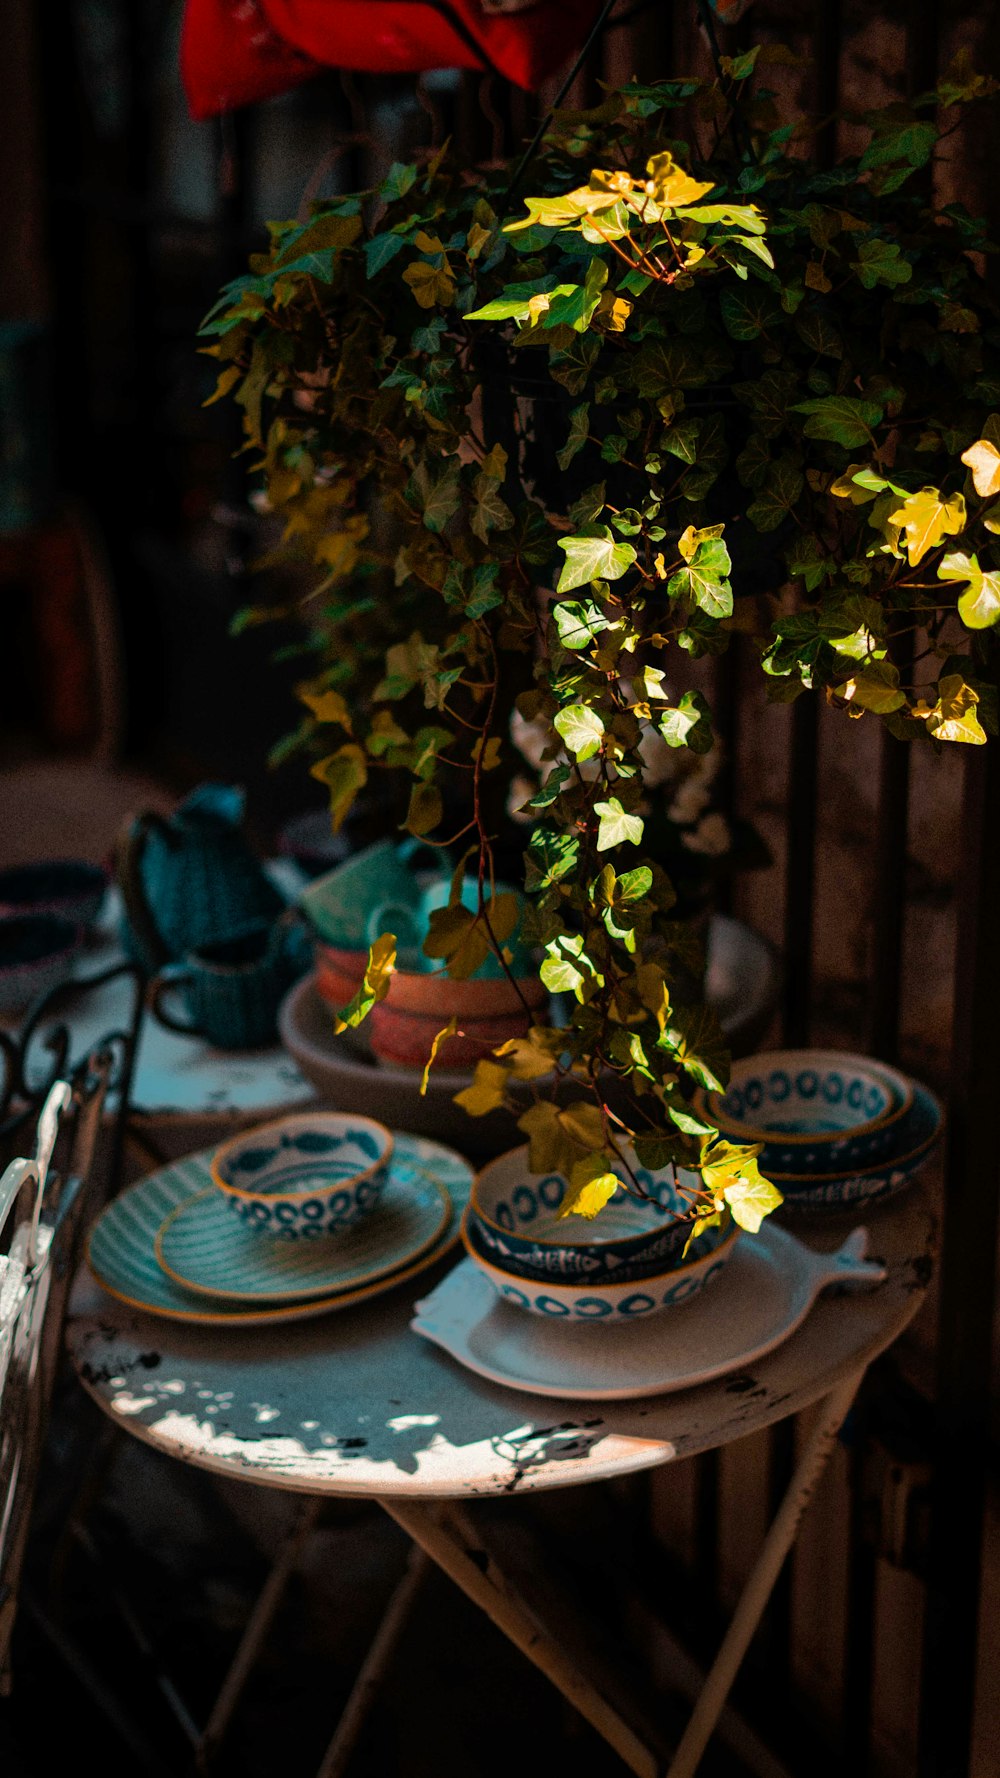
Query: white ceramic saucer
x=207, y=1249
x=764, y=1294
x=120, y=1248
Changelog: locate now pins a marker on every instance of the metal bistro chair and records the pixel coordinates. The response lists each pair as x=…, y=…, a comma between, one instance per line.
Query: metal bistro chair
x=62, y=1106
x=45, y=1206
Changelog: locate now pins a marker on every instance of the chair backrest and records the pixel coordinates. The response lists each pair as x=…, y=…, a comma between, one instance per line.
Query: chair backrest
x=44, y=1207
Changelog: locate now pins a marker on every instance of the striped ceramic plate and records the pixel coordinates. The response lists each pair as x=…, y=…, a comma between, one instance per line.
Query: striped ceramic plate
x=122, y=1256
x=209, y=1250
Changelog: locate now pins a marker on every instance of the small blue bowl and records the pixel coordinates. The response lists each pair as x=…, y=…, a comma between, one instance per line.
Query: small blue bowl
x=917, y=1135
x=607, y=1300
x=814, y=1111
x=513, y=1218
x=307, y=1176
x=70, y=887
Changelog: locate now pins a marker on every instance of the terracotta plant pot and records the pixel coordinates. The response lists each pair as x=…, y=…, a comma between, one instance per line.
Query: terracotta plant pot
x=417, y=1006
x=338, y=973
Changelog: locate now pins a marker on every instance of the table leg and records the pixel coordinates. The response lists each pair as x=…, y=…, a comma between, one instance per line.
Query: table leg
x=254, y=1636
x=760, y=1584
x=373, y=1668
x=464, y=1561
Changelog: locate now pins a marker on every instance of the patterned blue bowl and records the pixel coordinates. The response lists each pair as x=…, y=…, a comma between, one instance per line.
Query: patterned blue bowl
x=917, y=1135
x=604, y=1301
x=513, y=1215
x=307, y=1176
x=815, y=1111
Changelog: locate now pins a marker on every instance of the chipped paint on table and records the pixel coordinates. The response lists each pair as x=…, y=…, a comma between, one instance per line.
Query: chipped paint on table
x=359, y=1405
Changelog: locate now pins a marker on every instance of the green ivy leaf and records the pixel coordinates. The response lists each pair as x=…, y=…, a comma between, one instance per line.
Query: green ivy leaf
x=556, y=781
x=579, y=427
x=747, y=313
x=485, y=592
x=703, y=579
x=574, y=304
x=781, y=490
x=593, y=554
x=842, y=419
x=688, y=725
x=698, y=1045
x=400, y=179
x=550, y=857
x=881, y=262
x=582, y=730
x=578, y=622
x=381, y=250
x=490, y=513
x=617, y=828
x=979, y=605
x=425, y=809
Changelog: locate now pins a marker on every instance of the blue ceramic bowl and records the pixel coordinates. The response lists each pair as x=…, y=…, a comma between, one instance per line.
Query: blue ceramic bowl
x=917, y=1135
x=36, y=953
x=815, y=1111
x=607, y=1300
x=67, y=886
x=305, y=1177
x=513, y=1215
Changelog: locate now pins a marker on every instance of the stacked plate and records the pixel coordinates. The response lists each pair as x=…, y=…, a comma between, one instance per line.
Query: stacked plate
x=171, y=1245
x=835, y=1129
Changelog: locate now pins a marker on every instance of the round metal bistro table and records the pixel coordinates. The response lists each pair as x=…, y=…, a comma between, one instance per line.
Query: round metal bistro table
x=357, y=1404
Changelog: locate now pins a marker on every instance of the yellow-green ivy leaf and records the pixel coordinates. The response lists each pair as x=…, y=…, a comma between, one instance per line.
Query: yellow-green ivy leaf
x=979, y=605
x=528, y=1058
x=486, y=1092
x=731, y=1174
x=590, y=1187
x=926, y=518
x=550, y=1149
x=591, y=555
x=327, y=706
x=226, y=380
x=953, y=716
x=374, y=985
x=873, y=687
x=440, y=1038
x=983, y=458
x=582, y=730
x=617, y=828
x=425, y=809
x=344, y=773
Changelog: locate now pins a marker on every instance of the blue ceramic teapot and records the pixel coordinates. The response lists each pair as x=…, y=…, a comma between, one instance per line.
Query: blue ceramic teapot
x=192, y=880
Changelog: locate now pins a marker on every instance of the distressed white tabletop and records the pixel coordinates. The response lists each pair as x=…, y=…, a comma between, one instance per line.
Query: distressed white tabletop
x=358, y=1404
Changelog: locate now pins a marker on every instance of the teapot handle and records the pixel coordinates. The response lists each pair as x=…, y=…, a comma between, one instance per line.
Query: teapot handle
x=175, y=976
x=128, y=870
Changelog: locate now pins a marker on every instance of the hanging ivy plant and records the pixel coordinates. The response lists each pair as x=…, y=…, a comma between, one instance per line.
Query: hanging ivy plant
x=544, y=452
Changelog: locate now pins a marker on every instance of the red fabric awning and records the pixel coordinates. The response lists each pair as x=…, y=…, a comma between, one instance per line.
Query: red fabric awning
x=235, y=52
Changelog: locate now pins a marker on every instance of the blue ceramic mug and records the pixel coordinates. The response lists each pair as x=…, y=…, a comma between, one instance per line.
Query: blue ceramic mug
x=231, y=990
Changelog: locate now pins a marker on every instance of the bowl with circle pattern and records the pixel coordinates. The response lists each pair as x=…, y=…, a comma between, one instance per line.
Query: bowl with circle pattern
x=606, y=1301
x=918, y=1134
x=307, y=1176
x=514, y=1214
x=815, y=1111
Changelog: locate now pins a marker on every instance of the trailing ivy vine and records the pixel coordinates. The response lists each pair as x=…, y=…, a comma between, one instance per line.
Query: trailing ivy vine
x=698, y=386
